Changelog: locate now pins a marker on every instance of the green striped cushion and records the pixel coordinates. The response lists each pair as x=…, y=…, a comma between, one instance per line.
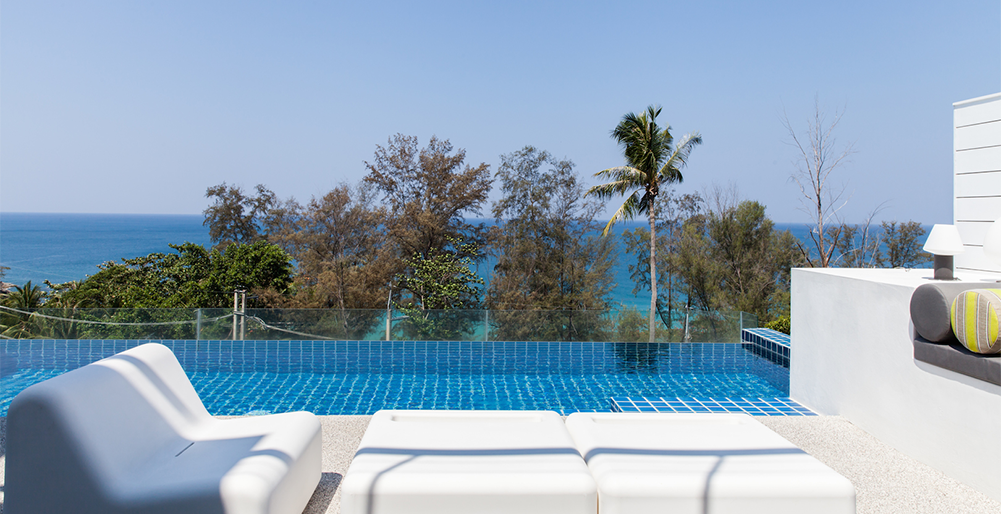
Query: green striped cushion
x=974, y=317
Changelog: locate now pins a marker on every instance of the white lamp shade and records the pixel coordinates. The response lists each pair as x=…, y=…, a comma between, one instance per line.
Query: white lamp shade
x=944, y=240
x=992, y=242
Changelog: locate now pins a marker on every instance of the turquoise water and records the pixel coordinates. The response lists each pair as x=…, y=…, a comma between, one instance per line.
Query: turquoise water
x=63, y=247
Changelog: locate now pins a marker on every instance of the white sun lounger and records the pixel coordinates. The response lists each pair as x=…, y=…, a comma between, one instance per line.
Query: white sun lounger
x=467, y=462
x=128, y=434
x=702, y=463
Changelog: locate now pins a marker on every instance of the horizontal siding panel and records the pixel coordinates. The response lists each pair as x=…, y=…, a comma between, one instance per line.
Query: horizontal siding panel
x=984, y=159
x=974, y=259
x=978, y=184
x=978, y=113
x=972, y=233
x=968, y=209
x=977, y=136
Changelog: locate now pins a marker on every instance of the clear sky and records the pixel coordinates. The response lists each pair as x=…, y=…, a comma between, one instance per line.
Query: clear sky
x=138, y=107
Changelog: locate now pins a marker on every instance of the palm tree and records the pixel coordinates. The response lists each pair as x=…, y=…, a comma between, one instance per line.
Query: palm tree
x=25, y=299
x=652, y=160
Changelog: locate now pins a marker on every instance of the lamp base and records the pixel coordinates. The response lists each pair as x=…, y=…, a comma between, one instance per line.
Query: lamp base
x=944, y=267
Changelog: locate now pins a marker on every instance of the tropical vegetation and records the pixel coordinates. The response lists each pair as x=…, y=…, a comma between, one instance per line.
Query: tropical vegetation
x=403, y=240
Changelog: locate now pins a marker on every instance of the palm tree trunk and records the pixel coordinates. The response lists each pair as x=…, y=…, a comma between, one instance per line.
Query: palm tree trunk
x=670, y=301
x=653, y=273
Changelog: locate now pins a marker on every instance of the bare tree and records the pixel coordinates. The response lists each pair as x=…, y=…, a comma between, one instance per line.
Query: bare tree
x=819, y=157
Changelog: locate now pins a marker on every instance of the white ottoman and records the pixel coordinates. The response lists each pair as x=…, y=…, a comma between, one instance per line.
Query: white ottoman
x=702, y=463
x=467, y=462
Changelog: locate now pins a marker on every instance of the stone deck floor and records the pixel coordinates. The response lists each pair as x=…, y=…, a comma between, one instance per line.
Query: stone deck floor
x=886, y=481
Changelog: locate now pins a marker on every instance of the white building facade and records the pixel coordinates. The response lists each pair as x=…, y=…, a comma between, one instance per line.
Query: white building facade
x=977, y=177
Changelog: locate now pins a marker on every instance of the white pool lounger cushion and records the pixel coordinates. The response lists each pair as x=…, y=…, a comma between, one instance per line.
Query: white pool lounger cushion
x=467, y=462
x=702, y=463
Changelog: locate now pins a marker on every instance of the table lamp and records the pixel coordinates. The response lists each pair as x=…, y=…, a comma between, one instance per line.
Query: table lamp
x=943, y=243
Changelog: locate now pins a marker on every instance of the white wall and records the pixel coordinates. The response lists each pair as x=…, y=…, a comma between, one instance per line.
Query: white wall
x=977, y=176
x=852, y=356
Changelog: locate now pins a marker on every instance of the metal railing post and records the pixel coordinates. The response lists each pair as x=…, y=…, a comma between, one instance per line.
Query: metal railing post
x=235, y=307
x=243, y=315
x=389, y=311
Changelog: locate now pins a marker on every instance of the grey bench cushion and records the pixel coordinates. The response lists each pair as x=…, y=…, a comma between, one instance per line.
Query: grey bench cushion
x=954, y=357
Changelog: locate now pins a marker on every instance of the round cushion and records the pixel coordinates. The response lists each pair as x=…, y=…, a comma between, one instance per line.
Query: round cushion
x=975, y=315
x=930, y=305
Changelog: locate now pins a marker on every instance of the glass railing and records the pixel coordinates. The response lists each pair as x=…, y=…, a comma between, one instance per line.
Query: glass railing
x=626, y=325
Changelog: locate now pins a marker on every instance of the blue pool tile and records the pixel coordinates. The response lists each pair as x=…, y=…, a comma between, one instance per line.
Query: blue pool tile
x=777, y=406
x=360, y=377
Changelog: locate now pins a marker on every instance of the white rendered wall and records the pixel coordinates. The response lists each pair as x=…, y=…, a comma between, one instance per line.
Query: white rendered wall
x=852, y=356
x=977, y=176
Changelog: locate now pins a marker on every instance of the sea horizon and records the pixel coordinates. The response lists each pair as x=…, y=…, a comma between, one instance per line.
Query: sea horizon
x=62, y=247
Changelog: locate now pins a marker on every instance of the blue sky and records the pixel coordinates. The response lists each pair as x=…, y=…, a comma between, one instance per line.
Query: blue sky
x=138, y=107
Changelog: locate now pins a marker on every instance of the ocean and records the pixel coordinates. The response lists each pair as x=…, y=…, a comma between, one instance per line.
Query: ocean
x=64, y=247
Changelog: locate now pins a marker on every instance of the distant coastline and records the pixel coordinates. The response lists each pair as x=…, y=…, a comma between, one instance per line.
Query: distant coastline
x=61, y=247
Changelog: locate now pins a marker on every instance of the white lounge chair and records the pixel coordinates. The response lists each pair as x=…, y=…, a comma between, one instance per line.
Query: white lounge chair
x=702, y=463
x=467, y=462
x=128, y=434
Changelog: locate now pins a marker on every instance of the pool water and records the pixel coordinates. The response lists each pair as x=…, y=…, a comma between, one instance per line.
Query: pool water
x=361, y=377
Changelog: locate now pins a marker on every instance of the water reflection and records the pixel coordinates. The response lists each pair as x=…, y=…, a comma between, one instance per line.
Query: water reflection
x=637, y=357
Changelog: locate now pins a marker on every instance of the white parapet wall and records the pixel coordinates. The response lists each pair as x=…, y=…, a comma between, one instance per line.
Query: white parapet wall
x=852, y=356
x=977, y=176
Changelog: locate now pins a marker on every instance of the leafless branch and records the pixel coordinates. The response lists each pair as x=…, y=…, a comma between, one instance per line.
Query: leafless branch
x=819, y=156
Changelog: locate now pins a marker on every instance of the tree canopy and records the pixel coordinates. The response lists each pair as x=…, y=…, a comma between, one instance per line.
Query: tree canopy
x=548, y=253
x=730, y=257
x=191, y=277
x=341, y=249
x=427, y=192
x=903, y=245
x=440, y=282
x=235, y=217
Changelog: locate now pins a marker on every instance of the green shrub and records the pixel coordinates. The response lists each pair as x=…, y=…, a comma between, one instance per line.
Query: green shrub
x=779, y=325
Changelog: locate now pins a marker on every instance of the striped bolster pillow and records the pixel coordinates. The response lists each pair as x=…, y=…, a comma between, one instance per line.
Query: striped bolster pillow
x=974, y=316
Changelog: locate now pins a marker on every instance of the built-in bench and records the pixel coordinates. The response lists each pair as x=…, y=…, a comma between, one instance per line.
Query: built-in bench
x=935, y=342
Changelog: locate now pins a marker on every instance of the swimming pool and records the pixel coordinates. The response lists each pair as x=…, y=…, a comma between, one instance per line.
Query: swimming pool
x=361, y=377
